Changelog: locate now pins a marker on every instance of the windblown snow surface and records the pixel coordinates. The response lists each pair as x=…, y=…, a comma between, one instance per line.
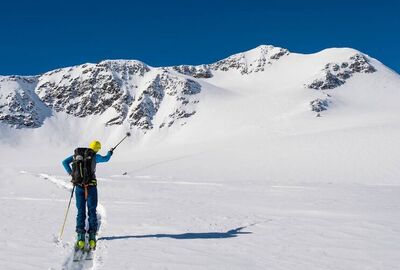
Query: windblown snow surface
x=253, y=181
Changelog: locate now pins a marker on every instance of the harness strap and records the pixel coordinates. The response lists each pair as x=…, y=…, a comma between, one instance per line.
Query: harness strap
x=86, y=191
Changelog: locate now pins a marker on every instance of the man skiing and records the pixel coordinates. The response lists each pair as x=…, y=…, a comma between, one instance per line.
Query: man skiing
x=83, y=175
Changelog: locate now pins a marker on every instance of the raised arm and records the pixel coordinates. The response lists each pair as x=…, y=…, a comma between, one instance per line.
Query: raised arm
x=100, y=159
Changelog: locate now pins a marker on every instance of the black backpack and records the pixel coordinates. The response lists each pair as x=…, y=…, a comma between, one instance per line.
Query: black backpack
x=83, y=166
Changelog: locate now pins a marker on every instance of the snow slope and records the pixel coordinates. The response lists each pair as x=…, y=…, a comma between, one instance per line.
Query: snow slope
x=253, y=180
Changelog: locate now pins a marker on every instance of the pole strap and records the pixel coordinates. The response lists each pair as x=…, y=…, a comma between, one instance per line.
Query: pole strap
x=86, y=191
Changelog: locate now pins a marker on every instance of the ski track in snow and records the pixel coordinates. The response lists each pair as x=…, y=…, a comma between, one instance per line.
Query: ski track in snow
x=291, y=187
x=59, y=182
x=68, y=263
x=32, y=199
x=182, y=183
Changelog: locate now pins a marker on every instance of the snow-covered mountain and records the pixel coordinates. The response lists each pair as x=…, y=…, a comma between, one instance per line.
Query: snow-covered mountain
x=144, y=97
x=264, y=160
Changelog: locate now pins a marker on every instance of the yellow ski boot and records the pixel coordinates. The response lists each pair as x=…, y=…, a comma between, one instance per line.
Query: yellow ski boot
x=92, y=241
x=80, y=243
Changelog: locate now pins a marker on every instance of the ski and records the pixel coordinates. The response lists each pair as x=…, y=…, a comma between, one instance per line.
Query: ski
x=89, y=255
x=78, y=255
x=88, y=249
x=81, y=255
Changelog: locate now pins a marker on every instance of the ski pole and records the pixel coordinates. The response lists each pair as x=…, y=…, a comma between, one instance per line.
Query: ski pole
x=126, y=136
x=66, y=213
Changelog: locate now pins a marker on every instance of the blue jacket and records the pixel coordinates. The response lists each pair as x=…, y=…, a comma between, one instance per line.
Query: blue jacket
x=99, y=159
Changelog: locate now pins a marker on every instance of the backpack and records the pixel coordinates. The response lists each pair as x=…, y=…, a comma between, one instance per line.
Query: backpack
x=83, y=166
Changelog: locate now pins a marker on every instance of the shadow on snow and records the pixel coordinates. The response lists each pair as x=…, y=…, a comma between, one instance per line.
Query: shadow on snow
x=183, y=236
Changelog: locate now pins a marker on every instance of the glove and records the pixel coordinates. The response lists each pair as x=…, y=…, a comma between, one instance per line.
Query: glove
x=111, y=151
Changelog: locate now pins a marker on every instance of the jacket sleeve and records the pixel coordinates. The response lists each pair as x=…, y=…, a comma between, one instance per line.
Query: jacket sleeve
x=100, y=159
x=66, y=163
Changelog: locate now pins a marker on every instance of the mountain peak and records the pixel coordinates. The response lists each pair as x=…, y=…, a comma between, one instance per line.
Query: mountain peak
x=254, y=60
x=251, y=61
x=262, y=51
x=121, y=62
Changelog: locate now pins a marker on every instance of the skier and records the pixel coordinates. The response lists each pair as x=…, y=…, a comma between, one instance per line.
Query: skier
x=83, y=177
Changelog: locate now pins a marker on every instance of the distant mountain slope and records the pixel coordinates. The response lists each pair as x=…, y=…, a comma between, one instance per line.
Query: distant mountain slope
x=133, y=93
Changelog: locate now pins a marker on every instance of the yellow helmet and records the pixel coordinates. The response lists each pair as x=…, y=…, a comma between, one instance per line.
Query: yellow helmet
x=95, y=146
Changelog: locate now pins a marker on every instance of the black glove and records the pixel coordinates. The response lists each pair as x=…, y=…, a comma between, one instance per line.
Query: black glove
x=111, y=151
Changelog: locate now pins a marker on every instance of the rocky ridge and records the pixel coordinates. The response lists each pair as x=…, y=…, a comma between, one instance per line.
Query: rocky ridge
x=129, y=91
x=335, y=74
x=253, y=61
x=132, y=91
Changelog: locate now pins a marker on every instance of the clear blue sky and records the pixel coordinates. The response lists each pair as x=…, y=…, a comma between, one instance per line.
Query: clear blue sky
x=37, y=36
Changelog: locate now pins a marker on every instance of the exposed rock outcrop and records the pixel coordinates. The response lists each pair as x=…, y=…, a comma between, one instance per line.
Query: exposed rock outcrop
x=335, y=74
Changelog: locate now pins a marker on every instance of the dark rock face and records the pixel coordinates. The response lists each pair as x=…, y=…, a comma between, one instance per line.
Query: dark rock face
x=328, y=81
x=319, y=105
x=334, y=75
x=202, y=71
x=149, y=103
x=92, y=89
x=359, y=63
x=143, y=114
x=180, y=91
x=125, y=67
x=18, y=105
